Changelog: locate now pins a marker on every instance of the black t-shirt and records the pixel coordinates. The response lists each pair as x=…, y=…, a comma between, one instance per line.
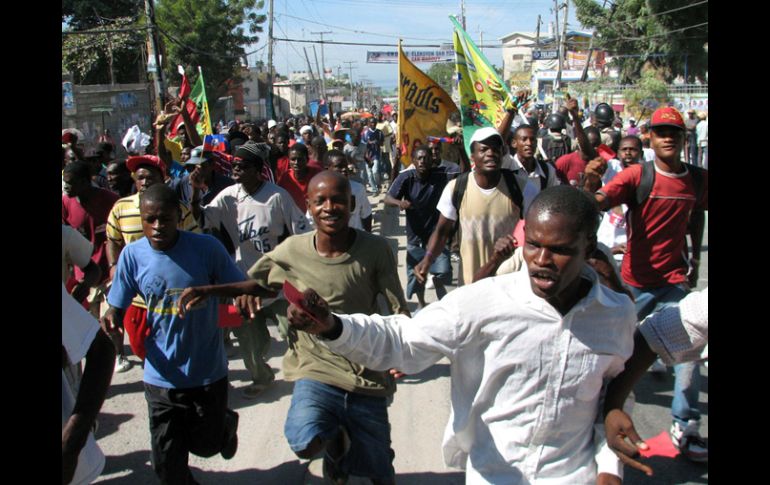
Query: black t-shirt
x=422, y=217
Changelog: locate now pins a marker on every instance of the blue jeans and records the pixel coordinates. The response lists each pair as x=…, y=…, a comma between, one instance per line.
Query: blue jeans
x=684, y=406
x=369, y=174
x=318, y=410
x=441, y=269
x=692, y=149
x=703, y=156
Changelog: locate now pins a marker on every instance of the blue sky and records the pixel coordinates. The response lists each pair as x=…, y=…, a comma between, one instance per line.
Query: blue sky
x=416, y=22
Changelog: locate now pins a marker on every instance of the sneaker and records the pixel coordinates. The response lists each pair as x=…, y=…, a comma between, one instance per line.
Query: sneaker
x=255, y=389
x=658, y=367
x=122, y=364
x=689, y=441
x=429, y=283
x=331, y=465
x=231, y=441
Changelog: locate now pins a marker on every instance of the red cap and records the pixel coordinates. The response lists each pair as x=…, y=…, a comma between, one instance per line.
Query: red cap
x=667, y=116
x=133, y=163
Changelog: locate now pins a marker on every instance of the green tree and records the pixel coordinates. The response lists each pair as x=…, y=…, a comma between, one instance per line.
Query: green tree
x=210, y=34
x=647, y=94
x=87, y=56
x=648, y=31
x=442, y=73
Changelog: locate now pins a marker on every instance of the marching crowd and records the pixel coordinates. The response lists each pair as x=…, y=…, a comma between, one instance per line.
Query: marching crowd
x=569, y=230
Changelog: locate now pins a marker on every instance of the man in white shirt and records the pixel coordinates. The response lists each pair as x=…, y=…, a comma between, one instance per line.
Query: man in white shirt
x=529, y=353
x=256, y=215
x=82, y=460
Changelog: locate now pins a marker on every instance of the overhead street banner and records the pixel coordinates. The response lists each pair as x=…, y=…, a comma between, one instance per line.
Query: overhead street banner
x=388, y=57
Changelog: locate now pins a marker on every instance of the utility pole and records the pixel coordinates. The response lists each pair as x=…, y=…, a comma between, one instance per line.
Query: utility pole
x=323, y=91
x=462, y=13
x=584, y=75
x=537, y=36
x=270, y=109
x=109, y=54
x=323, y=62
x=557, y=80
x=307, y=82
x=152, y=31
x=481, y=38
x=352, y=93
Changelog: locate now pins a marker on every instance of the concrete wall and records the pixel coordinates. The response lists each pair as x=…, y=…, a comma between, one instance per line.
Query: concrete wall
x=130, y=105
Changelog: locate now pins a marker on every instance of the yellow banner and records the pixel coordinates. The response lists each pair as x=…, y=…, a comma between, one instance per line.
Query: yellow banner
x=423, y=107
x=483, y=96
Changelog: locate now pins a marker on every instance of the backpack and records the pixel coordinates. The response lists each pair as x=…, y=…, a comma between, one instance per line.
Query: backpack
x=510, y=181
x=648, y=180
x=555, y=148
x=544, y=167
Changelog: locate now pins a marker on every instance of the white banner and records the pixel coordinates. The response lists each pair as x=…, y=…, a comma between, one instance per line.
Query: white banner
x=388, y=57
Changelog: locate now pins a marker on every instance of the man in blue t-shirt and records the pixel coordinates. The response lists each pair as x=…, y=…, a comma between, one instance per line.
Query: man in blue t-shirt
x=417, y=192
x=185, y=373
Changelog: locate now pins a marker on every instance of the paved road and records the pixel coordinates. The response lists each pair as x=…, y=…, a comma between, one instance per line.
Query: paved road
x=418, y=416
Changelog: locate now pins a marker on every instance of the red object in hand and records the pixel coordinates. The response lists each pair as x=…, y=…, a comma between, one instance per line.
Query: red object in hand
x=518, y=233
x=660, y=445
x=229, y=316
x=296, y=298
x=605, y=152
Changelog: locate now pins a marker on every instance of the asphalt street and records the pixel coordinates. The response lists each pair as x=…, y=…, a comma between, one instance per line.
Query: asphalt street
x=418, y=417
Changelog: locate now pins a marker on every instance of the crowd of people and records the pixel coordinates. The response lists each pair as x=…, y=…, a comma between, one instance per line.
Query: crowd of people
x=568, y=232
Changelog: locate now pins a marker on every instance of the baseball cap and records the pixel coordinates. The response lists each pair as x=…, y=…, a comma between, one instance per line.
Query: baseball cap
x=133, y=163
x=667, y=116
x=197, y=156
x=305, y=129
x=485, y=133
x=271, y=124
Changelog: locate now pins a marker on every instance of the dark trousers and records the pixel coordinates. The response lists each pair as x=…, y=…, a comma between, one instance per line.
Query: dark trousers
x=184, y=421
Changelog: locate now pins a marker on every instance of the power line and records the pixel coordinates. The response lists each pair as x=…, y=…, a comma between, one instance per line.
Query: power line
x=97, y=32
x=204, y=53
x=669, y=32
x=376, y=45
x=356, y=31
x=660, y=13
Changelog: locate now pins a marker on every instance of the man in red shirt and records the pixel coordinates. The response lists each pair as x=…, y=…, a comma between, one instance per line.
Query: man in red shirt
x=570, y=166
x=655, y=265
x=86, y=209
x=296, y=179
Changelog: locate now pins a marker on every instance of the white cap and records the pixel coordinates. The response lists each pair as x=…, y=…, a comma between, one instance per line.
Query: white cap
x=485, y=133
x=271, y=124
x=305, y=129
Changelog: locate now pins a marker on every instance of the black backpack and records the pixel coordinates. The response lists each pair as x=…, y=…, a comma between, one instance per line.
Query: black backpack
x=648, y=179
x=510, y=181
x=554, y=148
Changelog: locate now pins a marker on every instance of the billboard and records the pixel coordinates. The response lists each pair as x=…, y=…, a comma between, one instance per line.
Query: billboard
x=388, y=57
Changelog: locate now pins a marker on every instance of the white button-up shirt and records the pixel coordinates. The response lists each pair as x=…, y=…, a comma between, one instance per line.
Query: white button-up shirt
x=526, y=380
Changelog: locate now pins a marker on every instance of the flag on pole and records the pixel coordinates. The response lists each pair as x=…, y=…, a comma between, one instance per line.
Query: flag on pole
x=198, y=94
x=196, y=105
x=423, y=107
x=484, y=97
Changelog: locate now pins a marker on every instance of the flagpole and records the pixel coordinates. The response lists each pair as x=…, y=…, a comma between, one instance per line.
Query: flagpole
x=400, y=124
x=205, y=100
